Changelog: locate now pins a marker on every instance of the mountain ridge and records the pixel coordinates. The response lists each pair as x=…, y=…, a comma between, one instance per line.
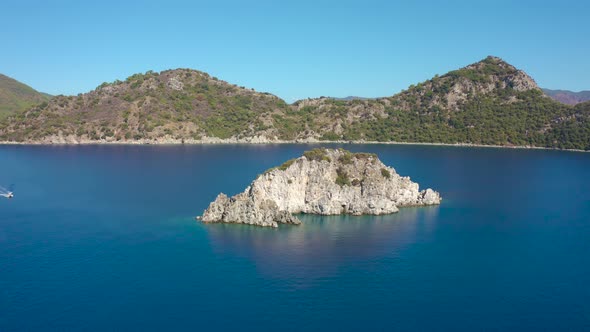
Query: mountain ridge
x=489, y=102
x=568, y=97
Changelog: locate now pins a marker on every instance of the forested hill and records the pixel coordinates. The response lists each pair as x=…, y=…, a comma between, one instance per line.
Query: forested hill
x=489, y=102
x=16, y=96
x=174, y=104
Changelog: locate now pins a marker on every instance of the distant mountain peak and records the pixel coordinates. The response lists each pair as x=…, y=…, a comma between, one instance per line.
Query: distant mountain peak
x=568, y=97
x=490, y=77
x=494, y=69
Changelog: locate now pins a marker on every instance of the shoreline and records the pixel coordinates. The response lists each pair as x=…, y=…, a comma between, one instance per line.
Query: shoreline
x=260, y=141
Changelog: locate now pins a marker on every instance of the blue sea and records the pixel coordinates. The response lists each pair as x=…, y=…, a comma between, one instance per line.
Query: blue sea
x=102, y=238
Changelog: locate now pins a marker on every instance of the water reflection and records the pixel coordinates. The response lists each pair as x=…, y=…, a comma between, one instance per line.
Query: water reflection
x=323, y=244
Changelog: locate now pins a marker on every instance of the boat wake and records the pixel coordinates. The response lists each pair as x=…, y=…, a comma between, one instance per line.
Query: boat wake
x=7, y=193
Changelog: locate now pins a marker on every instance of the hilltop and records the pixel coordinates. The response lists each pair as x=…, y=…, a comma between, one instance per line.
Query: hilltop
x=489, y=102
x=177, y=104
x=16, y=96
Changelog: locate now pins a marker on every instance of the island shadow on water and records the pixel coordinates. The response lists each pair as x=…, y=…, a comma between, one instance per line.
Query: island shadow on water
x=321, y=245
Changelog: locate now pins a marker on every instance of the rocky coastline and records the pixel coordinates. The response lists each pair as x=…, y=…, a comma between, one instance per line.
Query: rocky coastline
x=257, y=140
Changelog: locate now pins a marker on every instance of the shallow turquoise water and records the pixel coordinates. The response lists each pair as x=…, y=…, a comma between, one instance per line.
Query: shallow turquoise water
x=103, y=237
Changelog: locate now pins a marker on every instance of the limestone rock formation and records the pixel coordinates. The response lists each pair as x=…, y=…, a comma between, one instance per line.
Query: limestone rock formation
x=322, y=181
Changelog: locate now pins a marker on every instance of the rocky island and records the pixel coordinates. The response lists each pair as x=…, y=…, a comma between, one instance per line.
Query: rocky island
x=324, y=182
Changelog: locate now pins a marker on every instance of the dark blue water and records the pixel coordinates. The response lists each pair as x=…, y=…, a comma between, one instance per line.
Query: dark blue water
x=103, y=237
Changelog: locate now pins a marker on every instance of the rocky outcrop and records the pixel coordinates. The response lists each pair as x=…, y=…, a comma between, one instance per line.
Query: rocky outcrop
x=322, y=181
x=247, y=208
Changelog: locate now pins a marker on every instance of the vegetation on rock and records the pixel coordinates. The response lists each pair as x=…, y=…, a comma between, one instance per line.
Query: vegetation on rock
x=319, y=154
x=286, y=164
x=342, y=178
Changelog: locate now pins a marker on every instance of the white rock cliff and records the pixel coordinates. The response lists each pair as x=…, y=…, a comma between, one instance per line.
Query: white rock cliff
x=322, y=181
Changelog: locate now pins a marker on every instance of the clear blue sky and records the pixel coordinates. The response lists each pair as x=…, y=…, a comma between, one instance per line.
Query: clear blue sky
x=294, y=49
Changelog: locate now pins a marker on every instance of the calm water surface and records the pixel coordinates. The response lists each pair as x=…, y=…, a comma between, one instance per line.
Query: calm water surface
x=103, y=237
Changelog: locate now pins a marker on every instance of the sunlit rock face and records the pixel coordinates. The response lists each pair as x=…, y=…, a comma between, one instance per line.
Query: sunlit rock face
x=323, y=182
